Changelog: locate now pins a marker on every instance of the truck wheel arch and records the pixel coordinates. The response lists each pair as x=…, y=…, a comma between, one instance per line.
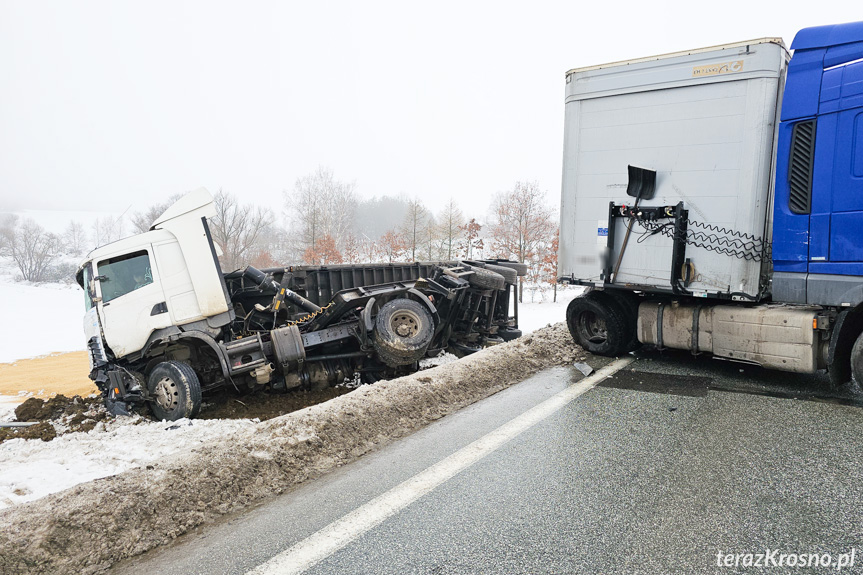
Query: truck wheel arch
x=849, y=326
x=193, y=337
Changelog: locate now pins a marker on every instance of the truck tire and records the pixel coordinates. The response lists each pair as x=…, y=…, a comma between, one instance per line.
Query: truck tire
x=403, y=332
x=629, y=303
x=484, y=279
x=509, y=333
x=509, y=275
x=175, y=391
x=857, y=360
x=520, y=268
x=598, y=324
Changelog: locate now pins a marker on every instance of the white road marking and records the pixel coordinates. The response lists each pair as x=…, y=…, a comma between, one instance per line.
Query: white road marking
x=339, y=533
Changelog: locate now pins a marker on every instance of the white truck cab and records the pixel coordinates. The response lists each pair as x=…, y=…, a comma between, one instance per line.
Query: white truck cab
x=168, y=276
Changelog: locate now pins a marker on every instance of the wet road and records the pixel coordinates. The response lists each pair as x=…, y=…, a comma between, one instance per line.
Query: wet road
x=657, y=469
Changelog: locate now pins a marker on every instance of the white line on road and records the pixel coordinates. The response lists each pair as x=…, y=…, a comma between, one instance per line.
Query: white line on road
x=339, y=533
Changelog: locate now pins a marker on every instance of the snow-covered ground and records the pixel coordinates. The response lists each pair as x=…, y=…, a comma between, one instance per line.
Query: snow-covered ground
x=32, y=468
x=48, y=318
x=534, y=315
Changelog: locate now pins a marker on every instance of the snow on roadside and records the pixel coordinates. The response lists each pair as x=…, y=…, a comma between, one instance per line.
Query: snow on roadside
x=48, y=318
x=31, y=468
x=534, y=315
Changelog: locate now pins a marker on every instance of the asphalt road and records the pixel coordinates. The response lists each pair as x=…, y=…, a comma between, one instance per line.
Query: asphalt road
x=659, y=469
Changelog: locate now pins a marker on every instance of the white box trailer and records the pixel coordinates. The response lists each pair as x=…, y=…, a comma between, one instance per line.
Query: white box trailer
x=705, y=122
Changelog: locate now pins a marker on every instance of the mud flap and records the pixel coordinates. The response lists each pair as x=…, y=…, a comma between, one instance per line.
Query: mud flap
x=116, y=407
x=367, y=323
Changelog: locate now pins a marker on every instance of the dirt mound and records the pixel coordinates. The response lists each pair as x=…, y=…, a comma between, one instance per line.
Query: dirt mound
x=227, y=405
x=44, y=431
x=88, y=528
x=56, y=416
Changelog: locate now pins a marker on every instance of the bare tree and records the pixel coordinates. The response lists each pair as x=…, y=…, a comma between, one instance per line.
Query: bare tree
x=520, y=223
x=471, y=243
x=449, y=222
x=392, y=246
x=107, y=229
x=431, y=240
x=141, y=221
x=322, y=206
x=237, y=229
x=75, y=239
x=30, y=247
x=414, y=227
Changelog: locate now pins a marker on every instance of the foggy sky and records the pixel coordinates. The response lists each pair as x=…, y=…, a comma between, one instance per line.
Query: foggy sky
x=106, y=105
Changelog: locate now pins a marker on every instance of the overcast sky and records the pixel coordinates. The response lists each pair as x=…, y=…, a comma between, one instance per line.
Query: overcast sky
x=104, y=105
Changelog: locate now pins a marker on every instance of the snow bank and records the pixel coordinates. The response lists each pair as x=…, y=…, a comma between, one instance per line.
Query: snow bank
x=31, y=469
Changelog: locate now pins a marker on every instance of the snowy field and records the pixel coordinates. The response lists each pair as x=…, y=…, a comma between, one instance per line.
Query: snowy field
x=48, y=318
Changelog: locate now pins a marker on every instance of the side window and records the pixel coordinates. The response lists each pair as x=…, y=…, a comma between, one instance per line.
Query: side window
x=123, y=274
x=88, y=293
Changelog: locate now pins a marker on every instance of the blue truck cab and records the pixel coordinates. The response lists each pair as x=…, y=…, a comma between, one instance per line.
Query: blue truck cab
x=818, y=209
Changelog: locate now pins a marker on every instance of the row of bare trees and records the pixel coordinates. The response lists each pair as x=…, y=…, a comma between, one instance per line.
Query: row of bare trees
x=40, y=255
x=323, y=221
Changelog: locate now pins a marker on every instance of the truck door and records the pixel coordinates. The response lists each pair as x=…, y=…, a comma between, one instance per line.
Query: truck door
x=131, y=303
x=839, y=168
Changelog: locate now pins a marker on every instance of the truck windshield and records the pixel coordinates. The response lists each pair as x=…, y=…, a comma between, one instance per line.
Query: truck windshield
x=123, y=274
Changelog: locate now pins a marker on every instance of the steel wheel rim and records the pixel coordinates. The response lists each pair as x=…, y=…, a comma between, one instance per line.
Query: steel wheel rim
x=592, y=327
x=166, y=394
x=405, y=323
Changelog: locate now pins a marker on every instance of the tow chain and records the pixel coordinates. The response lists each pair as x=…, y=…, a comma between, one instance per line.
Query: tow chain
x=306, y=318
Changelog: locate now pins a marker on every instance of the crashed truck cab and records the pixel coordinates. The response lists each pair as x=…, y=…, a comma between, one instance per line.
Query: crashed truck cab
x=164, y=324
x=165, y=279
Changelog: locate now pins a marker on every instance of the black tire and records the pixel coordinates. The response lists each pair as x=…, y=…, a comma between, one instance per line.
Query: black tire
x=857, y=361
x=509, y=275
x=484, y=279
x=629, y=304
x=598, y=325
x=509, y=334
x=175, y=391
x=462, y=350
x=520, y=268
x=403, y=331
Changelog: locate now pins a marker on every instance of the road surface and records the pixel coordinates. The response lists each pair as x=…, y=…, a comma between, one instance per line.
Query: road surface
x=666, y=467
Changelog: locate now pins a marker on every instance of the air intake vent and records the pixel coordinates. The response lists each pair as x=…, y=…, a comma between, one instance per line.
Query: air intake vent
x=800, y=167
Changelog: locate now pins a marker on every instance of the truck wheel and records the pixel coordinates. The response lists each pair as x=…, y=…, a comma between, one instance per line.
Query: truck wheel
x=598, y=325
x=629, y=305
x=403, y=331
x=520, y=268
x=175, y=390
x=509, y=275
x=484, y=279
x=509, y=333
x=857, y=360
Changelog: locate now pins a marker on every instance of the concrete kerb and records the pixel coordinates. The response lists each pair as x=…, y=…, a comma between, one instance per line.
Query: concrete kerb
x=92, y=526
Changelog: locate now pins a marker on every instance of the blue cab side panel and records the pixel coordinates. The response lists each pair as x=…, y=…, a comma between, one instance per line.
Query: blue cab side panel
x=790, y=230
x=825, y=82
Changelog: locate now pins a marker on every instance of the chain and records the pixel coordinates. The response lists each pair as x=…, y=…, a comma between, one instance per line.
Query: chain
x=714, y=238
x=310, y=316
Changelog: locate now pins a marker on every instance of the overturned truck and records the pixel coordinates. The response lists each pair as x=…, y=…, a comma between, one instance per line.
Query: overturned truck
x=164, y=325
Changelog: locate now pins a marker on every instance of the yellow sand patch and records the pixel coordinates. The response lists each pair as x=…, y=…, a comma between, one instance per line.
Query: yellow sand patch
x=64, y=373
